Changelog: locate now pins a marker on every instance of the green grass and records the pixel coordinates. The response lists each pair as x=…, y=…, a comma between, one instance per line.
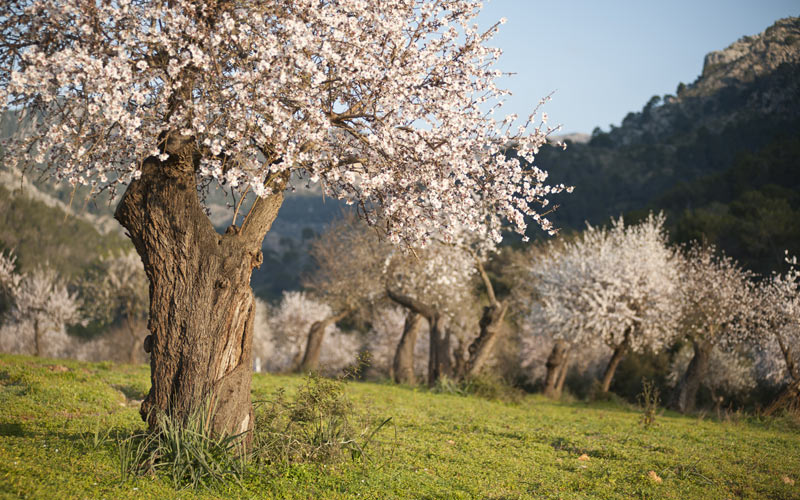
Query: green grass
x=60, y=422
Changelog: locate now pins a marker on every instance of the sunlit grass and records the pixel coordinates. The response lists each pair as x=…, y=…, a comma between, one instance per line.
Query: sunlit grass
x=61, y=422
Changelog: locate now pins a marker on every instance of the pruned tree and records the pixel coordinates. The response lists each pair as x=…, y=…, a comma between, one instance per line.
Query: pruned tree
x=434, y=282
x=349, y=260
x=717, y=301
x=384, y=103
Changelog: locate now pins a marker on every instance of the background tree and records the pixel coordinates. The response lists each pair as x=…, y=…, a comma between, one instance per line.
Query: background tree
x=717, y=298
x=779, y=333
x=434, y=282
x=117, y=290
x=384, y=103
x=40, y=309
x=614, y=285
x=350, y=258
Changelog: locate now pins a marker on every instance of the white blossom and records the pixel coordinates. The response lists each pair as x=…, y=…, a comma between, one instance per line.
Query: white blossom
x=384, y=103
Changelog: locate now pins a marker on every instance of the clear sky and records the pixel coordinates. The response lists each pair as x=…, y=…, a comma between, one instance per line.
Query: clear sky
x=605, y=58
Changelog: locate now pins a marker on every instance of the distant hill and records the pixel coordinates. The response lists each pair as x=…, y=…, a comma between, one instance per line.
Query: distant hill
x=720, y=156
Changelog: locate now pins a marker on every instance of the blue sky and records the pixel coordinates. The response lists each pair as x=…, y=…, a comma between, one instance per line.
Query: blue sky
x=605, y=58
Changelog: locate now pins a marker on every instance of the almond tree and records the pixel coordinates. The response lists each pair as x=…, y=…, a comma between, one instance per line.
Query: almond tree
x=632, y=299
x=384, y=103
x=717, y=300
x=779, y=333
x=616, y=286
x=395, y=339
x=40, y=309
x=350, y=260
x=549, y=296
x=118, y=289
x=435, y=283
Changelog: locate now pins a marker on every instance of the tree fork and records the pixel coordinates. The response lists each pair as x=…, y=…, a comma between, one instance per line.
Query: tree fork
x=439, y=356
x=201, y=305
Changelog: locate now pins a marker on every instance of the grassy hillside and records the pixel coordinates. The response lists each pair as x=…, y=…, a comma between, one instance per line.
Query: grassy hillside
x=40, y=235
x=441, y=446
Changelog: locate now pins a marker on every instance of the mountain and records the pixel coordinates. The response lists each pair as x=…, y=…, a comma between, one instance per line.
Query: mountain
x=720, y=156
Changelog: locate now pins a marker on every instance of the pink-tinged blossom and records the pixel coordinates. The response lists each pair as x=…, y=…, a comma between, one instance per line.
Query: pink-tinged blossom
x=383, y=103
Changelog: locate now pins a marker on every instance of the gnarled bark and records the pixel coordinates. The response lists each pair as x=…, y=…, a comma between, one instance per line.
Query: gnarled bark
x=685, y=395
x=201, y=304
x=316, y=334
x=403, y=364
x=555, y=363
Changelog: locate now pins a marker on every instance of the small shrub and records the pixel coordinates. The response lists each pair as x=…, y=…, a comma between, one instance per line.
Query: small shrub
x=649, y=399
x=319, y=425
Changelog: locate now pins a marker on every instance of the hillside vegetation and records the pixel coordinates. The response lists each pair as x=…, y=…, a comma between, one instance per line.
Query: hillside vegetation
x=719, y=156
x=60, y=422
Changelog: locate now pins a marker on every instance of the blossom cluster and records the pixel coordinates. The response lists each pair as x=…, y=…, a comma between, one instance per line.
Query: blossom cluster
x=609, y=285
x=388, y=105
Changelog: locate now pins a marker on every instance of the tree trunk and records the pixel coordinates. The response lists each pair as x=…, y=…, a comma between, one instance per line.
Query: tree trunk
x=439, y=357
x=201, y=304
x=316, y=334
x=481, y=348
x=554, y=363
x=685, y=395
x=562, y=375
x=403, y=365
x=789, y=397
x=37, y=341
x=613, y=363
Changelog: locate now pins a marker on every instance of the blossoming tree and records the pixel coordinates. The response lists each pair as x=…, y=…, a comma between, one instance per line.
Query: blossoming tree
x=778, y=334
x=40, y=309
x=349, y=258
x=386, y=104
x=435, y=283
x=717, y=302
x=616, y=286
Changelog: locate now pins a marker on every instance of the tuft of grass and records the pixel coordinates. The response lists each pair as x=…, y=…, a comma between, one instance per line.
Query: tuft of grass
x=186, y=452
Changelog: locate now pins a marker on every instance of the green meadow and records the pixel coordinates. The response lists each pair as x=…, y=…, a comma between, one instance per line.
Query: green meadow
x=62, y=422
